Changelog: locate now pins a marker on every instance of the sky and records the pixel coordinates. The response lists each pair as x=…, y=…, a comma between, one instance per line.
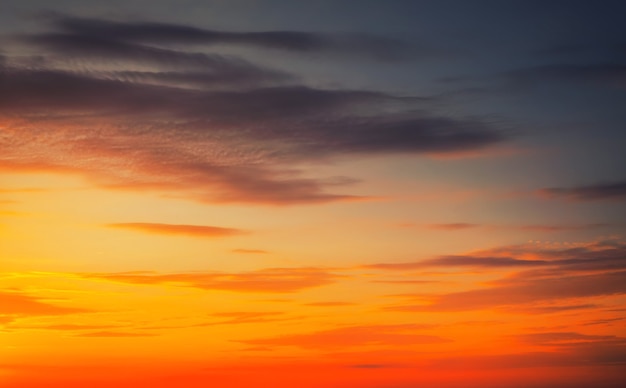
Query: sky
x=273, y=193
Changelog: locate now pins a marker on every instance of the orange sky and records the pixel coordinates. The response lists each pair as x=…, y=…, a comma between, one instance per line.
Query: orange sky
x=110, y=287
x=320, y=199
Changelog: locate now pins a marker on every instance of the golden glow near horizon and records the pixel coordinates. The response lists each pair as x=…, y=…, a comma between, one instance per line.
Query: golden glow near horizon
x=145, y=282
x=328, y=195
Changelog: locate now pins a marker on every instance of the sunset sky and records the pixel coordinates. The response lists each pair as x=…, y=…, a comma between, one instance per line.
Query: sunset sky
x=327, y=193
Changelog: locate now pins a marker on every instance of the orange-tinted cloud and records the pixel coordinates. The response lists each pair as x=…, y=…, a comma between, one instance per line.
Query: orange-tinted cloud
x=272, y=280
x=65, y=327
x=111, y=334
x=461, y=261
x=251, y=251
x=240, y=317
x=542, y=280
x=513, y=292
x=595, y=256
x=18, y=304
x=453, y=226
x=550, y=308
x=174, y=229
x=354, y=336
x=329, y=304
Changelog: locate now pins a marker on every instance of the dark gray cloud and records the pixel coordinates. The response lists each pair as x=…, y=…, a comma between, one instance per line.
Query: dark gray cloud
x=206, y=126
x=601, y=191
x=172, y=65
x=359, y=45
x=611, y=74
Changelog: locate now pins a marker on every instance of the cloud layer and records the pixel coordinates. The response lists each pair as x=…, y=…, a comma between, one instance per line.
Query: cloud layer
x=135, y=108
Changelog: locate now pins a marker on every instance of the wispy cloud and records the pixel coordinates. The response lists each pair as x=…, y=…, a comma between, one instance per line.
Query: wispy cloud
x=461, y=261
x=601, y=191
x=544, y=280
x=343, y=45
x=353, y=336
x=453, y=226
x=175, y=229
x=273, y=280
x=460, y=226
x=607, y=74
x=205, y=126
x=114, y=334
x=12, y=303
x=250, y=251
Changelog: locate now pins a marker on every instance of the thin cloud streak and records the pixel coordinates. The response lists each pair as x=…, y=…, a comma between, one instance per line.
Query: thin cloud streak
x=602, y=191
x=271, y=280
x=341, y=45
x=24, y=305
x=355, y=336
x=174, y=229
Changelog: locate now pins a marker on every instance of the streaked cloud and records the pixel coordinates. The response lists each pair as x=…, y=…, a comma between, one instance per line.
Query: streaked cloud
x=453, y=226
x=461, y=261
x=602, y=191
x=175, y=229
x=607, y=74
x=354, y=336
x=209, y=127
x=114, y=334
x=12, y=303
x=272, y=280
x=250, y=251
x=460, y=226
x=342, y=45
x=551, y=308
x=547, y=283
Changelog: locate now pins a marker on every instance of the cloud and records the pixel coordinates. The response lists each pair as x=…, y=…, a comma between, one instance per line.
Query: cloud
x=456, y=226
x=127, y=114
x=562, y=227
x=515, y=292
x=453, y=226
x=550, y=308
x=18, y=304
x=250, y=251
x=330, y=304
x=373, y=366
x=169, y=67
x=601, y=191
x=173, y=229
x=113, y=334
x=460, y=261
x=550, y=261
x=68, y=327
x=567, y=339
x=272, y=280
x=349, y=45
x=5, y=320
x=241, y=317
x=543, y=280
x=611, y=74
x=354, y=336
